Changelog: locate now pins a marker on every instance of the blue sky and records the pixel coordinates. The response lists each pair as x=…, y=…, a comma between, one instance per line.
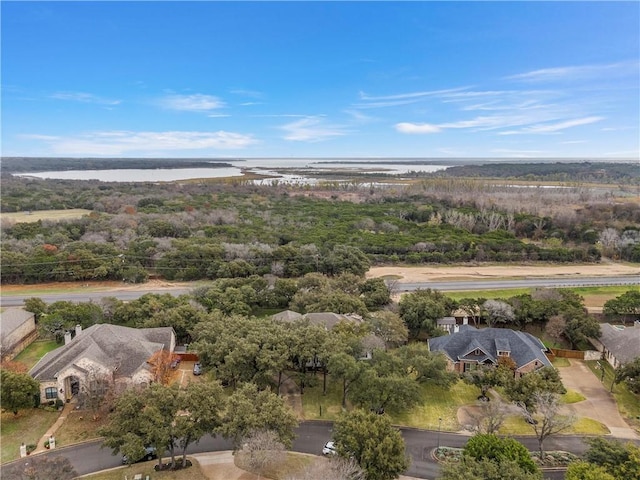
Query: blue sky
x=321, y=79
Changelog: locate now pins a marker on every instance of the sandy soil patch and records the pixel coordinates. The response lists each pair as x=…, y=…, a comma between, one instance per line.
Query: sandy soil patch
x=472, y=272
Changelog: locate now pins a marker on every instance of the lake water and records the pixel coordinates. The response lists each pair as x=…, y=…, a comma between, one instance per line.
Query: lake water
x=277, y=167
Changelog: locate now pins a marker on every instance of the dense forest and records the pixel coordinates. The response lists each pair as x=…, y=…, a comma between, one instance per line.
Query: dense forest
x=39, y=164
x=233, y=228
x=600, y=172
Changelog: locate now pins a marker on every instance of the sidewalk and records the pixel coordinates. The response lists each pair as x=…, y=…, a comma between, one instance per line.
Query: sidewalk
x=68, y=407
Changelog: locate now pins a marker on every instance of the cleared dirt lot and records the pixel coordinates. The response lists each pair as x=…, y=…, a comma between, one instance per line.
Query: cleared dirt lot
x=471, y=272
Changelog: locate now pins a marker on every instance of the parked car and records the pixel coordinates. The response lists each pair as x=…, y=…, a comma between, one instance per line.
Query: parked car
x=329, y=449
x=149, y=454
x=197, y=369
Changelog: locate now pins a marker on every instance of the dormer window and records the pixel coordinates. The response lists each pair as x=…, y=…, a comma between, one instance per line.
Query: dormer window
x=503, y=353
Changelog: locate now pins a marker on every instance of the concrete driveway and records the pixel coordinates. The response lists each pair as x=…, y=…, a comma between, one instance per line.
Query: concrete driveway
x=599, y=404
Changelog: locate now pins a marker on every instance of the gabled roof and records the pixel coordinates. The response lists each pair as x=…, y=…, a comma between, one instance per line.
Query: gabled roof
x=326, y=319
x=12, y=318
x=524, y=347
x=121, y=349
x=287, y=316
x=622, y=342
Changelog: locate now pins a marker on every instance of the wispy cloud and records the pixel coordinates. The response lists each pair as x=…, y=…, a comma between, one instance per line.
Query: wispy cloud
x=120, y=142
x=84, y=97
x=247, y=93
x=553, y=127
x=312, y=129
x=575, y=72
x=380, y=101
x=191, y=103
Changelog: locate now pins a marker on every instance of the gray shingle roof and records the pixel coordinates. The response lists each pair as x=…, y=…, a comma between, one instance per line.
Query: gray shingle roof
x=524, y=347
x=12, y=318
x=113, y=346
x=326, y=319
x=623, y=343
x=287, y=316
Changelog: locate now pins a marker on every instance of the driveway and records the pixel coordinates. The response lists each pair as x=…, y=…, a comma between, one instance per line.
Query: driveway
x=599, y=404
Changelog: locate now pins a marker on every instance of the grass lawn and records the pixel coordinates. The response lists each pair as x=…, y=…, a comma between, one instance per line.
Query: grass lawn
x=34, y=352
x=28, y=427
x=560, y=362
x=515, y=425
x=572, y=397
x=313, y=401
x=146, y=468
x=628, y=402
x=78, y=427
x=439, y=403
x=593, y=296
x=295, y=463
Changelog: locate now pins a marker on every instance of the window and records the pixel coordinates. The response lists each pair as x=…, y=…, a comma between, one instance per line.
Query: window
x=503, y=353
x=51, y=393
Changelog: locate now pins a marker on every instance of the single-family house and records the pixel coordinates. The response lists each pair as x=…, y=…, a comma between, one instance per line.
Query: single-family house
x=17, y=331
x=469, y=348
x=108, y=352
x=618, y=344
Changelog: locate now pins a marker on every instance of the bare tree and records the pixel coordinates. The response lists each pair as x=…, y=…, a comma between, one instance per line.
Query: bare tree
x=261, y=450
x=498, y=311
x=336, y=468
x=546, y=421
x=97, y=392
x=489, y=416
x=555, y=327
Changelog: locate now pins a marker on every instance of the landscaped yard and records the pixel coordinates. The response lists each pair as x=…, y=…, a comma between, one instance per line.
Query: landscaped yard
x=34, y=352
x=78, y=427
x=439, y=403
x=146, y=468
x=516, y=425
x=28, y=427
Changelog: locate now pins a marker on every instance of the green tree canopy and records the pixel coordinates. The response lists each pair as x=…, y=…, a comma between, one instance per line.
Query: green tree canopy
x=491, y=447
x=375, y=444
x=17, y=390
x=420, y=310
x=250, y=409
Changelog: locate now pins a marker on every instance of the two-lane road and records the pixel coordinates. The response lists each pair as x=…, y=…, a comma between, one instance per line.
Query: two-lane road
x=126, y=294
x=90, y=457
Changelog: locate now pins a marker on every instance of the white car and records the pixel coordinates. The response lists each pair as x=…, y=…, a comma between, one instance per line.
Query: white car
x=329, y=449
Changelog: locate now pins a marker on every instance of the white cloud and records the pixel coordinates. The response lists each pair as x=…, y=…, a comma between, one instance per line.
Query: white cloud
x=311, y=129
x=417, y=128
x=554, y=127
x=119, y=142
x=575, y=72
x=191, y=103
x=84, y=97
x=380, y=101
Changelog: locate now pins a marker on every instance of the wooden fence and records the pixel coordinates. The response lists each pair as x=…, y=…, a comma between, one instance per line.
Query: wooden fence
x=559, y=352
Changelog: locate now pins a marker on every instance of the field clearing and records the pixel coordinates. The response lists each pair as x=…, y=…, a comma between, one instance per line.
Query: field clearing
x=29, y=217
x=405, y=274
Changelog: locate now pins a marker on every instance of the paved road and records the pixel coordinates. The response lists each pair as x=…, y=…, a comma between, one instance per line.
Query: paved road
x=90, y=457
x=128, y=295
